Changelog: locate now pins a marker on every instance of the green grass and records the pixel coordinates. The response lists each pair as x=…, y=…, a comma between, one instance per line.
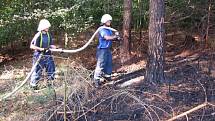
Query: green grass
x=42, y=97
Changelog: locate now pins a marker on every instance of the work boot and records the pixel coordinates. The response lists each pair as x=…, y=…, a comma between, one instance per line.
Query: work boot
x=97, y=83
x=107, y=77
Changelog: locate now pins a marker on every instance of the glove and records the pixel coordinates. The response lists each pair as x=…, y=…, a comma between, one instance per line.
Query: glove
x=117, y=35
x=46, y=50
x=61, y=52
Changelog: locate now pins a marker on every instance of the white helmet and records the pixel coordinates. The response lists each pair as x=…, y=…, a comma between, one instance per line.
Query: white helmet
x=105, y=18
x=44, y=24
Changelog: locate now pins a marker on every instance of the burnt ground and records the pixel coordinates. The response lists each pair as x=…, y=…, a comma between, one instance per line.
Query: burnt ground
x=189, y=75
x=189, y=83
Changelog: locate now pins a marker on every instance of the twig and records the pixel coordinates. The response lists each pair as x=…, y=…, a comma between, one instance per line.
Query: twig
x=144, y=105
x=54, y=112
x=189, y=111
x=96, y=106
x=65, y=93
x=211, y=104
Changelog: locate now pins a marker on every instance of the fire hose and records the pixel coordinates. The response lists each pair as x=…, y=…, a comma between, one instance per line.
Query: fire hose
x=83, y=47
x=54, y=50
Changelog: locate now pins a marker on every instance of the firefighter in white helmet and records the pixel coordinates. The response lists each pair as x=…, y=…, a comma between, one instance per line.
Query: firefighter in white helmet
x=104, y=55
x=41, y=42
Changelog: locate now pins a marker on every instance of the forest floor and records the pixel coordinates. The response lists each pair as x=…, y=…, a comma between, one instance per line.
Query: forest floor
x=189, y=75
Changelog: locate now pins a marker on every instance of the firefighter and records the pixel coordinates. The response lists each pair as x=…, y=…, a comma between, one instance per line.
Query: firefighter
x=41, y=43
x=103, y=68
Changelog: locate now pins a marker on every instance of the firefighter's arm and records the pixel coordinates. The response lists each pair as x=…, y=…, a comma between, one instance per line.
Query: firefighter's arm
x=53, y=46
x=33, y=44
x=34, y=47
x=110, y=37
x=113, y=37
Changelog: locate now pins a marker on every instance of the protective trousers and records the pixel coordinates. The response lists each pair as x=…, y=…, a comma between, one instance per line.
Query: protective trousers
x=104, y=62
x=46, y=62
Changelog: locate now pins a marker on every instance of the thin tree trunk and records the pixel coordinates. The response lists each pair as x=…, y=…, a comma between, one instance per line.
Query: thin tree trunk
x=155, y=64
x=66, y=40
x=140, y=18
x=125, y=47
x=208, y=24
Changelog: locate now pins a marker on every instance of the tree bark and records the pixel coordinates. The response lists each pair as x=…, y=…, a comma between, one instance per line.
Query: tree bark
x=155, y=64
x=125, y=47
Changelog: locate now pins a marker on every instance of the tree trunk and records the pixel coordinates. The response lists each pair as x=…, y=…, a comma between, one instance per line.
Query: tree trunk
x=125, y=47
x=208, y=23
x=155, y=64
x=140, y=19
